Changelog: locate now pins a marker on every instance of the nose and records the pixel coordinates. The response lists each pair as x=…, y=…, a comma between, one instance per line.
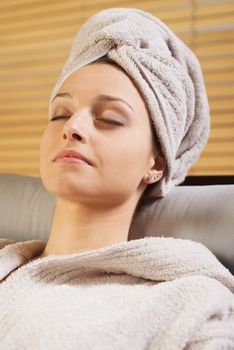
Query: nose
x=76, y=128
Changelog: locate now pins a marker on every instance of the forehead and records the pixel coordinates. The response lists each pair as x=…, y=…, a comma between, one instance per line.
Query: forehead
x=101, y=78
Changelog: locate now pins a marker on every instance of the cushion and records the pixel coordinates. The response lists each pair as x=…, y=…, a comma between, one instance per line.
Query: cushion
x=201, y=213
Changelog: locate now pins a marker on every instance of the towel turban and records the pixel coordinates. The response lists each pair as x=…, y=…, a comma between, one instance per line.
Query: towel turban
x=167, y=74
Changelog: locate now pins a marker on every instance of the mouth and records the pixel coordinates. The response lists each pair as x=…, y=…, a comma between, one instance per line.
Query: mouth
x=68, y=160
x=71, y=156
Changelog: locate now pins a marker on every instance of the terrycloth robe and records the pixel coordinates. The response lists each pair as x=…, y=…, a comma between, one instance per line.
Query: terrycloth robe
x=159, y=293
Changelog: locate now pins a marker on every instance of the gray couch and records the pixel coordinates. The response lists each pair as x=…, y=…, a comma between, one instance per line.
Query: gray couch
x=200, y=213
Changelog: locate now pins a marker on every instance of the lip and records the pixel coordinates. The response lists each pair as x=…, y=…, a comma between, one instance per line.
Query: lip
x=71, y=156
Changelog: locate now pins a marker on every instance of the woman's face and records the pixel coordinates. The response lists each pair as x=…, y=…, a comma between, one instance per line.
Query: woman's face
x=114, y=135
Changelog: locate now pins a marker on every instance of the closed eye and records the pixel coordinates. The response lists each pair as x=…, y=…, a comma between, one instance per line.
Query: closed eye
x=59, y=117
x=110, y=121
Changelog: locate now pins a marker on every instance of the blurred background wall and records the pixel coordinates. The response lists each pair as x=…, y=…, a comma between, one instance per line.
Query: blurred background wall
x=35, y=40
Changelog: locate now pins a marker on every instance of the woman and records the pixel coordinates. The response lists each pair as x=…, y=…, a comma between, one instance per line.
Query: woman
x=109, y=134
x=127, y=118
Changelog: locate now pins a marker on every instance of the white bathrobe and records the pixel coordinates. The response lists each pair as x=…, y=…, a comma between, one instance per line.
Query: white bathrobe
x=159, y=293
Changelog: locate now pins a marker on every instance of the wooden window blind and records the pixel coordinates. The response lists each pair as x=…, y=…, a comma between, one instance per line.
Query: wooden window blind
x=35, y=40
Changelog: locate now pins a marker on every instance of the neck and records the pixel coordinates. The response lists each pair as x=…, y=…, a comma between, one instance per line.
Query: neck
x=78, y=228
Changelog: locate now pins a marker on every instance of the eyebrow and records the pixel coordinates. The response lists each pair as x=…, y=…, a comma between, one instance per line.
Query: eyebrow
x=98, y=98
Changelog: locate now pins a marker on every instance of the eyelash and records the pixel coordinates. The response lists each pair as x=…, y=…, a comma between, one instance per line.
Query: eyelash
x=108, y=121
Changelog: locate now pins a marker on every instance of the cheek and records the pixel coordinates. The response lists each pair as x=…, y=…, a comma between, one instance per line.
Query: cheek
x=126, y=155
x=46, y=147
x=43, y=144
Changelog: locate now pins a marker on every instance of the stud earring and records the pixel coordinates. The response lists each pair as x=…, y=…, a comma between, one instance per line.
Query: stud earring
x=152, y=178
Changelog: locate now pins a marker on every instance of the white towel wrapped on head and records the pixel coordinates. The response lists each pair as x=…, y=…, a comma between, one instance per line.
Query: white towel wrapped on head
x=167, y=74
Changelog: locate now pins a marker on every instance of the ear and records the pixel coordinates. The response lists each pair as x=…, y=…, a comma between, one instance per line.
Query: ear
x=155, y=173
